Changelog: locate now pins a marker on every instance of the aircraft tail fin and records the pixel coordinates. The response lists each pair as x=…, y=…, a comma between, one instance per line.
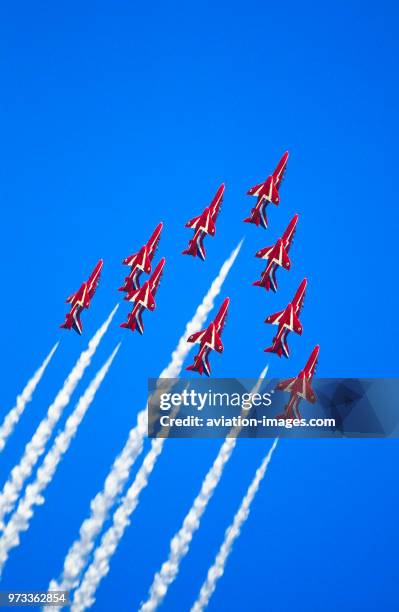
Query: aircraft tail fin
x=72, y=321
x=191, y=249
x=254, y=217
x=258, y=216
x=284, y=416
x=201, y=366
x=291, y=411
x=280, y=349
x=273, y=349
x=196, y=367
x=134, y=321
x=196, y=248
x=264, y=282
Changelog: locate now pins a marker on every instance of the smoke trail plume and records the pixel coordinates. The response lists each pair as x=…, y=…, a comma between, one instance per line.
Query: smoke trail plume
x=12, y=418
x=35, y=448
x=84, y=596
x=78, y=555
x=19, y=521
x=98, y=569
x=217, y=570
x=180, y=543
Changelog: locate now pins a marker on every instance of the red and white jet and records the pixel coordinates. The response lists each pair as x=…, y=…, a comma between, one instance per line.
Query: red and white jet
x=141, y=262
x=287, y=321
x=267, y=192
x=81, y=299
x=144, y=299
x=209, y=340
x=300, y=387
x=277, y=256
x=203, y=225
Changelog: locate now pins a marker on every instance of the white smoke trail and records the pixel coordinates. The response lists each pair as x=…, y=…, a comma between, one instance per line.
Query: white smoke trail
x=12, y=418
x=180, y=543
x=78, y=555
x=99, y=568
x=216, y=571
x=35, y=448
x=19, y=521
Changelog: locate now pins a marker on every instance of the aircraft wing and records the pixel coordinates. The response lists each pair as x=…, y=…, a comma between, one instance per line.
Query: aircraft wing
x=130, y=260
x=72, y=297
x=197, y=336
x=80, y=297
x=286, y=385
x=193, y=222
x=265, y=253
x=274, y=319
x=253, y=191
x=298, y=386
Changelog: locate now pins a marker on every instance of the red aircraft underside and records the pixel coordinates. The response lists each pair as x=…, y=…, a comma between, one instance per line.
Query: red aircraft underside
x=267, y=192
x=300, y=387
x=141, y=262
x=209, y=340
x=287, y=321
x=203, y=225
x=81, y=300
x=277, y=256
x=143, y=299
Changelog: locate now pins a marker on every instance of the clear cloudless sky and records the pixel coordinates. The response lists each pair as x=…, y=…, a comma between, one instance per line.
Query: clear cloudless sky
x=116, y=115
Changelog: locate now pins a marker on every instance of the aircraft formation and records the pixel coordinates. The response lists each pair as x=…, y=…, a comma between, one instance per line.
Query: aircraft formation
x=287, y=320
x=277, y=256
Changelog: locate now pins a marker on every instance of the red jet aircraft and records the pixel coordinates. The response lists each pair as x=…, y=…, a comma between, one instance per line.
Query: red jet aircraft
x=287, y=320
x=203, y=225
x=277, y=255
x=144, y=299
x=300, y=387
x=209, y=340
x=141, y=262
x=81, y=299
x=267, y=192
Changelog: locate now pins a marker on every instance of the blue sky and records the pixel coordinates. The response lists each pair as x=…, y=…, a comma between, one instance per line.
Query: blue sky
x=115, y=117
